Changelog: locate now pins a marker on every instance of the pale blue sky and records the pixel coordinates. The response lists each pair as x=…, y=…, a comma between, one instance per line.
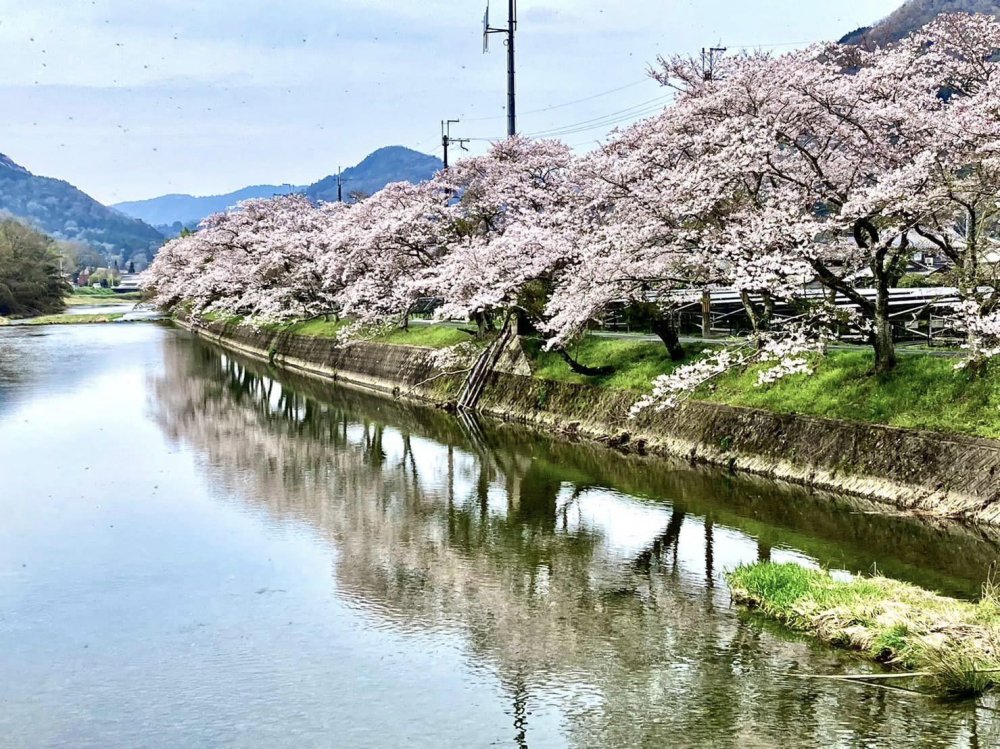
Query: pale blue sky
x=134, y=98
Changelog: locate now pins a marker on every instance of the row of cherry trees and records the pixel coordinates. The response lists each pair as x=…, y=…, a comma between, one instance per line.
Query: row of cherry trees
x=816, y=167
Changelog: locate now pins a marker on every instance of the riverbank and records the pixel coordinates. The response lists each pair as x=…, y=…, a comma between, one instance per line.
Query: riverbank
x=913, y=470
x=91, y=300
x=951, y=647
x=67, y=319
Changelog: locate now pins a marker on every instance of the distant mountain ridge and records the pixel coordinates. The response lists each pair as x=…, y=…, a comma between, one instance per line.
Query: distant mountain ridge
x=388, y=164
x=58, y=208
x=378, y=169
x=910, y=16
x=167, y=209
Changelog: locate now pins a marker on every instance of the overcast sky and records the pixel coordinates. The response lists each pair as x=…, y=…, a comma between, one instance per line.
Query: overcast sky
x=130, y=99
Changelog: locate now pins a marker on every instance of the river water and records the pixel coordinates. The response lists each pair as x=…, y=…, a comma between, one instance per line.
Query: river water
x=196, y=552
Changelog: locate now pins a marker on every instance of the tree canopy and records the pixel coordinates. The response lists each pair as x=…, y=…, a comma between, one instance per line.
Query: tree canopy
x=30, y=280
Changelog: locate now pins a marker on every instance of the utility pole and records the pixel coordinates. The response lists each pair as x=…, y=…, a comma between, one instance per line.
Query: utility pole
x=447, y=140
x=340, y=186
x=509, y=41
x=708, y=61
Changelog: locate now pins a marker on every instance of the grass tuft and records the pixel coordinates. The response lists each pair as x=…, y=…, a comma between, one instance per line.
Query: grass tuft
x=955, y=643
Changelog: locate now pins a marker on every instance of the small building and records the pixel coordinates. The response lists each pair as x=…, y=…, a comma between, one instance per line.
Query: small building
x=129, y=283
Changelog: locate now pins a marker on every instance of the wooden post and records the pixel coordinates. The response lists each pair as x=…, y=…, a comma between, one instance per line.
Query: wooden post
x=706, y=314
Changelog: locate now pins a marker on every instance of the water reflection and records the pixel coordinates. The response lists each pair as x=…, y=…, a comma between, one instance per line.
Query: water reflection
x=590, y=583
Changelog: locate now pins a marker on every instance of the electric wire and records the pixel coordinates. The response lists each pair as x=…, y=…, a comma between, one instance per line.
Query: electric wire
x=633, y=84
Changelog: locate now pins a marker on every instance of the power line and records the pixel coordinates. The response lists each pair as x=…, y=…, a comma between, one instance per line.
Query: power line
x=777, y=44
x=612, y=118
x=564, y=104
x=651, y=106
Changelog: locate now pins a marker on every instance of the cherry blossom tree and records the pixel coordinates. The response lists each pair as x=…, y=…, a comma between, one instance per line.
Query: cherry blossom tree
x=393, y=241
x=636, y=232
x=510, y=209
x=260, y=259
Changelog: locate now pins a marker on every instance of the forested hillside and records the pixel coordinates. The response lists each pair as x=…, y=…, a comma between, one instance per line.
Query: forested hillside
x=64, y=212
x=911, y=16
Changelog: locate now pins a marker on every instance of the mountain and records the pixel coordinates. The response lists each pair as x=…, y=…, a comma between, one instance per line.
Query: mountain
x=170, y=213
x=913, y=14
x=389, y=164
x=63, y=211
x=187, y=209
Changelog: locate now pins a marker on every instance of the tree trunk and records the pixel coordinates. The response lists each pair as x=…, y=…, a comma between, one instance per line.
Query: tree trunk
x=968, y=282
x=760, y=317
x=583, y=369
x=665, y=327
x=706, y=314
x=484, y=323
x=881, y=339
x=525, y=325
x=885, y=272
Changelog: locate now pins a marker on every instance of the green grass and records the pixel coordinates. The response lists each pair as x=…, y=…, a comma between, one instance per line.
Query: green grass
x=92, y=291
x=953, y=644
x=635, y=362
x=93, y=300
x=71, y=319
x=425, y=336
x=104, y=293
x=318, y=328
x=924, y=392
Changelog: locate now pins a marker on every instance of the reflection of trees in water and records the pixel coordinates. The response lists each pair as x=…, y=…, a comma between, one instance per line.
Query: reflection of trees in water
x=443, y=528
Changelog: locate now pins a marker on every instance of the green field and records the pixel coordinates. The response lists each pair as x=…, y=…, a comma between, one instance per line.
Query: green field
x=426, y=336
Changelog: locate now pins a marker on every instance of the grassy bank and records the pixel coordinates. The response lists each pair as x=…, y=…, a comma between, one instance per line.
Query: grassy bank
x=425, y=336
x=94, y=300
x=635, y=362
x=71, y=319
x=951, y=646
x=924, y=392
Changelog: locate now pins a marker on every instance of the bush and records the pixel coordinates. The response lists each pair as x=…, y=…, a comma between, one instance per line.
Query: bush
x=925, y=281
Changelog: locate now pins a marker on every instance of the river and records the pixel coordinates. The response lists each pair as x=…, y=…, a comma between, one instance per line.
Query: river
x=197, y=552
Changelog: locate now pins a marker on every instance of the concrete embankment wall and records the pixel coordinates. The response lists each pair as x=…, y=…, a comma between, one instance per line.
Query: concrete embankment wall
x=922, y=472
x=406, y=371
